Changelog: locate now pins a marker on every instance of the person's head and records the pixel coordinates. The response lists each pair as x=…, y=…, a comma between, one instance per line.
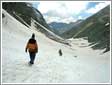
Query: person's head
x=33, y=36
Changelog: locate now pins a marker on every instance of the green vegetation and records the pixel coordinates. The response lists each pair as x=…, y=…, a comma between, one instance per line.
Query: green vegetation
x=96, y=28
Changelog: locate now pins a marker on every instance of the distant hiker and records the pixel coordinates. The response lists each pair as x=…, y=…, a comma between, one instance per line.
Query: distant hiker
x=60, y=52
x=32, y=48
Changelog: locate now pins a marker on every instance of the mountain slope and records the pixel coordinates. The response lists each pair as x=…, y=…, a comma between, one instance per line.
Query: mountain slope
x=77, y=65
x=25, y=11
x=95, y=28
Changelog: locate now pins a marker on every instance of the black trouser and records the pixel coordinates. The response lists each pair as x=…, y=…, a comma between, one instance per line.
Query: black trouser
x=32, y=57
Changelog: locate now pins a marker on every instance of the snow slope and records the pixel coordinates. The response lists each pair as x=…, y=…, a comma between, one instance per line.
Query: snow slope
x=79, y=63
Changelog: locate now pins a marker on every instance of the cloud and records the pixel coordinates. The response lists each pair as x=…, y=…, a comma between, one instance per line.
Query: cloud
x=68, y=11
x=61, y=10
x=46, y=6
x=64, y=8
x=50, y=19
x=98, y=7
x=80, y=17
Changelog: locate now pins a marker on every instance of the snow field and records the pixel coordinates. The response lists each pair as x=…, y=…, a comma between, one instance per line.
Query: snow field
x=79, y=63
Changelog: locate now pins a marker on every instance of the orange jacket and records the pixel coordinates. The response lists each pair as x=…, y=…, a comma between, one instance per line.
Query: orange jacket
x=32, y=47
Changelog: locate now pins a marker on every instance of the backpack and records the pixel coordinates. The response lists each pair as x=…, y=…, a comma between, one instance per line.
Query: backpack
x=32, y=45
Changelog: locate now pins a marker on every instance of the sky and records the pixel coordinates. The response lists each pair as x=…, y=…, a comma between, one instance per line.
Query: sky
x=68, y=11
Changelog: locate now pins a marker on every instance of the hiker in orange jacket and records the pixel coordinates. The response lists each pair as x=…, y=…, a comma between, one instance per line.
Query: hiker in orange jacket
x=32, y=47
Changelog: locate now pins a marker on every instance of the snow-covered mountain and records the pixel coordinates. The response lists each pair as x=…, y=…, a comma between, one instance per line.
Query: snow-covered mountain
x=30, y=17
x=78, y=64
